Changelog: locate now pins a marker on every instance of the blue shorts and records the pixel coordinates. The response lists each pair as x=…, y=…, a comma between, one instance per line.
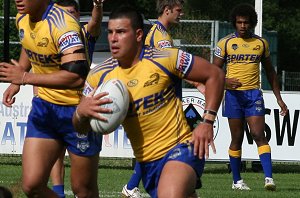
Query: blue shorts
x=51, y=121
x=184, y=152
x=241, y=104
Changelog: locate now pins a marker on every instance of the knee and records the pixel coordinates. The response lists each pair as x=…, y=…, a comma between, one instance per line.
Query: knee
x=259, y=138
x=31, y=189
x=83, y=192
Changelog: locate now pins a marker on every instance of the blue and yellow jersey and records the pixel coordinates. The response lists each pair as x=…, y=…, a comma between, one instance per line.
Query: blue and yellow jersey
x=242, y=58
x=159, y=37
x=44, y=43
x=155, y=121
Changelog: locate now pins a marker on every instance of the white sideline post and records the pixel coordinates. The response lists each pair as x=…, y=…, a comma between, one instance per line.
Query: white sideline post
x=258, y=28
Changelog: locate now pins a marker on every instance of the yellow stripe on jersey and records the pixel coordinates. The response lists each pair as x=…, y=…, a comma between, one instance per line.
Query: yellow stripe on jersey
x=159, y=37
x=155, y=121
x=44, y=43
x=242, y=57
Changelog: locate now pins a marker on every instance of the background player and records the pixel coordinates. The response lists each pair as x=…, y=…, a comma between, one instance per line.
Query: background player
x=242, y=52
x=91, y=32
x=52, y=47
x=160, y=147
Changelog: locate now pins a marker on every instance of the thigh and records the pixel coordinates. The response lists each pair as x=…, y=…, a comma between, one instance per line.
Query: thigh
x=257, y=129
x=177, y=179
x=237, y=132
x=84, y=174
x=38, y=157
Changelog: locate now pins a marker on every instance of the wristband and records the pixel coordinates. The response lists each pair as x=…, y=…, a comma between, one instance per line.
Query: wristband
x=212, y=112
x=208, y=121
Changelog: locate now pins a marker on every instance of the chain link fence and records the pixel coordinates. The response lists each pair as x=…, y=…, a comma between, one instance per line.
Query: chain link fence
x=198, y=37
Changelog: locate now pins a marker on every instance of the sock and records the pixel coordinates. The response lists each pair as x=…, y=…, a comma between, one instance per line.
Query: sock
x=265, y=159
x=235, y=164
x=59, y=190
x=135, y=178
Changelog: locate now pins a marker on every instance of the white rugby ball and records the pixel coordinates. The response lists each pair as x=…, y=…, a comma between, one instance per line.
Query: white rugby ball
x=119, y=94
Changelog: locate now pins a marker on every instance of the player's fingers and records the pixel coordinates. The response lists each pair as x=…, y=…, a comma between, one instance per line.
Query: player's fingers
x=13, y=61
x=213, y=147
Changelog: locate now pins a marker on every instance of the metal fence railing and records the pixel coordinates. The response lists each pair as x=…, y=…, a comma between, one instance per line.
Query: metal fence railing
x=290, y=81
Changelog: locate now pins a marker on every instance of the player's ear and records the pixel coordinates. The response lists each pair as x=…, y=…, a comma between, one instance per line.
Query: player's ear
x=139, y=35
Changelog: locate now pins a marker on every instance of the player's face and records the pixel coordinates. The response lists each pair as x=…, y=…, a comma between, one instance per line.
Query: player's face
x=32, y=7
x=175, y=14
x=243, y=26
x=124, y=41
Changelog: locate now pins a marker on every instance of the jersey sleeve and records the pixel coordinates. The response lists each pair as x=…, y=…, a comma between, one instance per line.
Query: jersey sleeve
x=220, y=50
x=267, y=48
x=67, y=32
x=178, y=62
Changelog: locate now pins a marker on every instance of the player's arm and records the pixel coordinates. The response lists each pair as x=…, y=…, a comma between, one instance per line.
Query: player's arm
x=272, y=78
x=213, y=79
x=232, y=83
x=74, y=69
x=94, y=25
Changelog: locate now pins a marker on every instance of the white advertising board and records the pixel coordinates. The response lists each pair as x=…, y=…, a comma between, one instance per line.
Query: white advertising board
x=283, y=133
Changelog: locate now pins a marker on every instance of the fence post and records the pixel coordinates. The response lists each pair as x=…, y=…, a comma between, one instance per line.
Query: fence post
x=283, y=80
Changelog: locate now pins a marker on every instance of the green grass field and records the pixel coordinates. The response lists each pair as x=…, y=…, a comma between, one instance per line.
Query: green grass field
x=114, y=173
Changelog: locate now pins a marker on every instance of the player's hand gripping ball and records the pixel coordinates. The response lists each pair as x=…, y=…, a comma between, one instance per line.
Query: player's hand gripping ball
x=118, y=93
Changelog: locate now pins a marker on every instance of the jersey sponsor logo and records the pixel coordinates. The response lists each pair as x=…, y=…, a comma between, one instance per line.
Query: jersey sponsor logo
x=32, y=35
x=43, y=59
x=184, y=61
x=44, y=42
x=68, y=40
x=164, y=44
x=21, y=34
x=193, y=108
x=150, y=103
x=243, y=58
x=154, y=78
x=132, y=83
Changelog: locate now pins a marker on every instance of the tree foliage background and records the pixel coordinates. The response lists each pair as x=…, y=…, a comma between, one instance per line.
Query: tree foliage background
x=279, y=15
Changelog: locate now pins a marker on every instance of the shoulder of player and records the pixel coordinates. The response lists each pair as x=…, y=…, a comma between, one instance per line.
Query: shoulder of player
x=61, y=18
x=227, y=38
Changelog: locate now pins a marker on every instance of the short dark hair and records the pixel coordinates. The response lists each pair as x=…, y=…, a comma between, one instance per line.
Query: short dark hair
x=66, y=3
x=245, y=10
x=162, y=4
x=127, y=11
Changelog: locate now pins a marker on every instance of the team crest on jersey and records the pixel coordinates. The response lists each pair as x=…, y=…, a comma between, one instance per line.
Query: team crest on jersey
x=69, y=39
x=154, y=78
x=234, y=46
x=44, y=42
x=21, y=34
x=184, y=61
x=193, y=109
